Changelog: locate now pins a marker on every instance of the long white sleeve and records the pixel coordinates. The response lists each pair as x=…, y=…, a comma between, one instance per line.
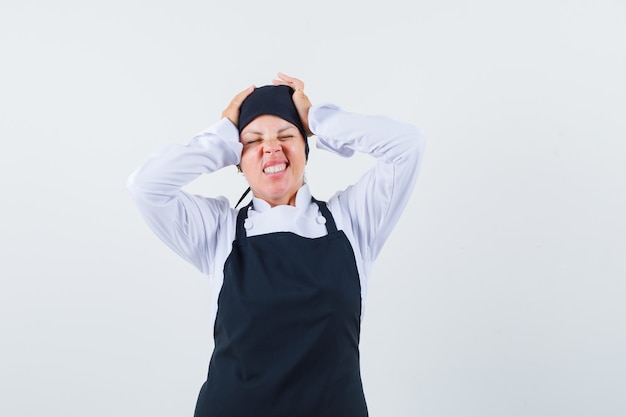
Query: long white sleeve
x=189, y=224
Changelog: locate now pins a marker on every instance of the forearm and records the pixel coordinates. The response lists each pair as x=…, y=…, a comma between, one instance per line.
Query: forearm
x=164, y=173
x=343, y=133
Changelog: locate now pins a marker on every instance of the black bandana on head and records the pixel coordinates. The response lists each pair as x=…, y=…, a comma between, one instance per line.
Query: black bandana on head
x=275, y=100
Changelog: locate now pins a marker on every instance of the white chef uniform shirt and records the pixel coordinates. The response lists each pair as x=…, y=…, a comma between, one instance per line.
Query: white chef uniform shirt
x=201, y=229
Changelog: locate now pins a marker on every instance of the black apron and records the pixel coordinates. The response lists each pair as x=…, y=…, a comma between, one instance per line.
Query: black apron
x=287, y=328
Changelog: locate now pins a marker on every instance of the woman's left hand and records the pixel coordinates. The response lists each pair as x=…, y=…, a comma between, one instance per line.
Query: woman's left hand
x=301, y=101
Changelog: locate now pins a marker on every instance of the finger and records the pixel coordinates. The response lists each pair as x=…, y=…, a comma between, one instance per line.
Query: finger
x=284, y=79
x=232, y=110
x=297, y=86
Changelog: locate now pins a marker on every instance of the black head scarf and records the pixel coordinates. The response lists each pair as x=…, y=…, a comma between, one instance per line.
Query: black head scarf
x=275, y=100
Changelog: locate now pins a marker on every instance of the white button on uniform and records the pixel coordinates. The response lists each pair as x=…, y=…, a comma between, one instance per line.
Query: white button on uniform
x=321, y=219
x=248, y=224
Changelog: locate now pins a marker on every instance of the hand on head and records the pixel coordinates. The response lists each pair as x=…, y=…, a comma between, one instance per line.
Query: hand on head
x=301, y=101
x=232, y=110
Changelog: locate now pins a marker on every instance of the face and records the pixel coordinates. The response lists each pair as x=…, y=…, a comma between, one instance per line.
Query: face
x=273, y=159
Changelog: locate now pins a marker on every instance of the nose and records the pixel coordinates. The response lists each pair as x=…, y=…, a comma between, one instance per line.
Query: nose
x=271, y=146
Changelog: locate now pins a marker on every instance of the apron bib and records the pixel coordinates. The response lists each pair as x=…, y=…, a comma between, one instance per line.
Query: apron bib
x=287, y=328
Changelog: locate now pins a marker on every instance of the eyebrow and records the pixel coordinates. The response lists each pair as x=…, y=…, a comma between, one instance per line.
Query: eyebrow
x=254, y=132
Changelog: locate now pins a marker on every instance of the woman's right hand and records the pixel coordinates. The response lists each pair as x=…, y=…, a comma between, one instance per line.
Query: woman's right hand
x=231, y=112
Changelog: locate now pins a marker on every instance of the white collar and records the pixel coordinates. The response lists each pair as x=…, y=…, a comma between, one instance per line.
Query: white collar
x=303, y=199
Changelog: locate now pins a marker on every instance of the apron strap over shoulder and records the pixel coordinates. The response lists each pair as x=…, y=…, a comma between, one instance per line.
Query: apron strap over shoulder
x=331, y=227
x=241, y=218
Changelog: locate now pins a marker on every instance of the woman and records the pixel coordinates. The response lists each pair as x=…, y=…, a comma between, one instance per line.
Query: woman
x=288, y=273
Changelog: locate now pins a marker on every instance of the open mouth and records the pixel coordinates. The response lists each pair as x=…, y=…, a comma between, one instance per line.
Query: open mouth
x=274, y=169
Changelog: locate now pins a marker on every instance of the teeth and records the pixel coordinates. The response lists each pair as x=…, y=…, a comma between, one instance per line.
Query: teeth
x=275, y=168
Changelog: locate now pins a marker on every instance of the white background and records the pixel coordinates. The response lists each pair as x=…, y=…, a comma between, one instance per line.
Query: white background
x=502, y=290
